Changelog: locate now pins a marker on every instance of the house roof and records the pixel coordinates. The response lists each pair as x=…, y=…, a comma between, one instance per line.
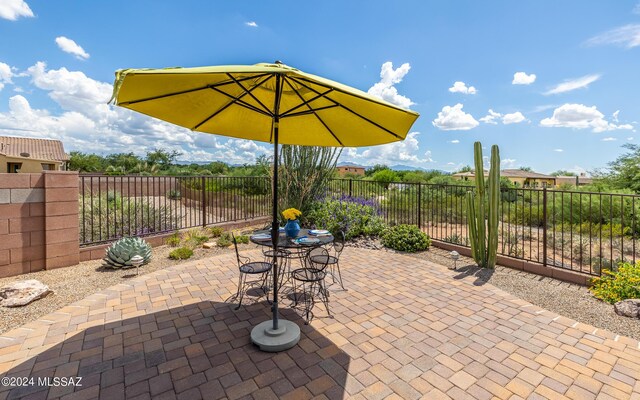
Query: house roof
x=39, y=149
x=349, y=166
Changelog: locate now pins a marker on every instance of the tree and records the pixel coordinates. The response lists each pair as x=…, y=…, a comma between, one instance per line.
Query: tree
x=378, y=167
x=385, y=177
x=123, y=161
x=83, y=162
x=218, y=168
x=562, y=172
x=528, y=169
x=466, y=168
x=624, y=172
x=162, y=158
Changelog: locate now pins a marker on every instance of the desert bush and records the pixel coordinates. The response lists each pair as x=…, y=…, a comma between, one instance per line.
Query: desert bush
x=224, y=240
x=181, y=253
x=614, y=286
x=195, y=237
x=173, y=240
x=457, y=239
x=352, y=215
x=216, y=231
x=406, y=238
x=174, y=194
x=242, y=239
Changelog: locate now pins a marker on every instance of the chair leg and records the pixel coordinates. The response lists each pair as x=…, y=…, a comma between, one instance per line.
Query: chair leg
x=324, y=296
x=240, y=292
x=337, y=266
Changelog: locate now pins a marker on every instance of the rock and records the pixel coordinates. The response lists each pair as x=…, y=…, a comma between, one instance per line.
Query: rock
x=628, y=308
x=21, y=293
x=209, y=245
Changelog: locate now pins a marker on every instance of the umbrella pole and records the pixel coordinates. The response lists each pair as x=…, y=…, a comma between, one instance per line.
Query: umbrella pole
x=275, y=226
x=276, y=335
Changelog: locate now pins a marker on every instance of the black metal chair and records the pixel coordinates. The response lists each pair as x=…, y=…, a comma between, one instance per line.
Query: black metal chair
x=312, y=277
x=334, y=258
x=259, y=269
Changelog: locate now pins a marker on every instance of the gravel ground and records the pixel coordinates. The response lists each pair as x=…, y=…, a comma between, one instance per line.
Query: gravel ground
x=573, y=301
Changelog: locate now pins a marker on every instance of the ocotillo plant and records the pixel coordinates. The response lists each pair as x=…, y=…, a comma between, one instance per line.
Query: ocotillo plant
x=483, y=226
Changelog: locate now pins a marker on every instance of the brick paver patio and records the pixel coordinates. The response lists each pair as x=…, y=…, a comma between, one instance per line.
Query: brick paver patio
x=405, y=329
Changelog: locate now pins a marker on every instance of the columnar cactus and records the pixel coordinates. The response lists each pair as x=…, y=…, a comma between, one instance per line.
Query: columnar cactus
x=483, y=236
x=120, y=253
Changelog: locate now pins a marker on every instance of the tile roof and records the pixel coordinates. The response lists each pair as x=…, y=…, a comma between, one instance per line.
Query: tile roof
x=511, y=173
x=40, y=149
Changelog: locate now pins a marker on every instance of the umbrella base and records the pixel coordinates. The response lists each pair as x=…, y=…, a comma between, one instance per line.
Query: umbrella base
x=285, y=337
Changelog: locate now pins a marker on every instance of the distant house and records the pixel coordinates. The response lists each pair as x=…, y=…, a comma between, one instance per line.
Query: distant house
x=19, y=154
x=518, y=177
x=580, y=180
x=350, y=169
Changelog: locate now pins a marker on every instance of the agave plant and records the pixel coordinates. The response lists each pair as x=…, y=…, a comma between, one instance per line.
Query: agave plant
x=120, y=253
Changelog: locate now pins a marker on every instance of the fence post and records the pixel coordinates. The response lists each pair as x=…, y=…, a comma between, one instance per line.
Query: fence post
x=419, y=206
x=204, y=204
x=544, y=226
x=350, y=187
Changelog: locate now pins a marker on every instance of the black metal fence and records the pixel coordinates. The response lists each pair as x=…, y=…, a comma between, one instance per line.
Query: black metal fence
x=111, y=207
x=580, y=231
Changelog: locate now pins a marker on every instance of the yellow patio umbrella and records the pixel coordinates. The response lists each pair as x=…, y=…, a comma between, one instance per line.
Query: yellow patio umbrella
x=271, y=103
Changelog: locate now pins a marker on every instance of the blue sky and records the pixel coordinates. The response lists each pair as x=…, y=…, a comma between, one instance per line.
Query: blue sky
x=554, y=83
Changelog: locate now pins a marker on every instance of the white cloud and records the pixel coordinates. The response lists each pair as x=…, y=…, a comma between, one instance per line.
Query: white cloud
x=627, y=36
x=630, y=138
x=454, y=141
x=252, y=24
x=452, y=118
x=405, y=152
x=579, y=116
x=508, y=163
x=461, y=87
x=385, y=89
x=521, y=78
x=491, y=117
x=609, y=139
x=636, y=9
x=558, y=150
x=14, y=9
x=5, y=74
x=615, y=115
x=513, y=118
x=69, y=46
x=87, y=123
x=573, y=84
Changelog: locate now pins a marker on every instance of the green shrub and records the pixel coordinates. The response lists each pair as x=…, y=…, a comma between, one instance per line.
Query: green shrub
x=181, y=253
x=216, y=231
x=173, y=240
x=352, y=215
x=195, y=237
x=406, y=238
x=614, y=286
x=244, y=239
x=174, y=194
x=224, y=240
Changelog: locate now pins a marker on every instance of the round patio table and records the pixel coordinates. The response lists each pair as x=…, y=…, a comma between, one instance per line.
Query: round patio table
x=291, y=244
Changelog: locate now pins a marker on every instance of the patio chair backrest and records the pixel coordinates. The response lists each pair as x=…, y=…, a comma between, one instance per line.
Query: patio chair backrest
x=318, y=258
x=338, y=243
x=235, y=245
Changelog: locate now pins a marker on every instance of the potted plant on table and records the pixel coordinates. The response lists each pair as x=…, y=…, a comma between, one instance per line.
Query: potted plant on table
x=292, y=228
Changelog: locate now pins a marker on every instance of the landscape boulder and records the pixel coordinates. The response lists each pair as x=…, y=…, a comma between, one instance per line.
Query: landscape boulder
x=21, y=293
x=628, y=308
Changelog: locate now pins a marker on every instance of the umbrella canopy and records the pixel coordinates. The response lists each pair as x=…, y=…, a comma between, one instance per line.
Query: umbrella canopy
x=240, y=101
x=271, y=103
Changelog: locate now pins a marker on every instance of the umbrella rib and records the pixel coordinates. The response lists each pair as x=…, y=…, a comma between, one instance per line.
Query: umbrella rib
x=235, y=100
x=251, y=94
x=308, y=111
x=351, y=111
x=396, y=108
x=286, y=113
x=311, y=110
x=124, y=103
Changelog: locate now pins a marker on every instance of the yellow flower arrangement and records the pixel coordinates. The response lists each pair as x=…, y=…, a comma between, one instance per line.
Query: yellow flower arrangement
x=291, y=214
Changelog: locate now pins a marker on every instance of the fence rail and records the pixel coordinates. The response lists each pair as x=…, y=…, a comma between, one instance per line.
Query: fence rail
x=580, y=231
x=115, y=206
